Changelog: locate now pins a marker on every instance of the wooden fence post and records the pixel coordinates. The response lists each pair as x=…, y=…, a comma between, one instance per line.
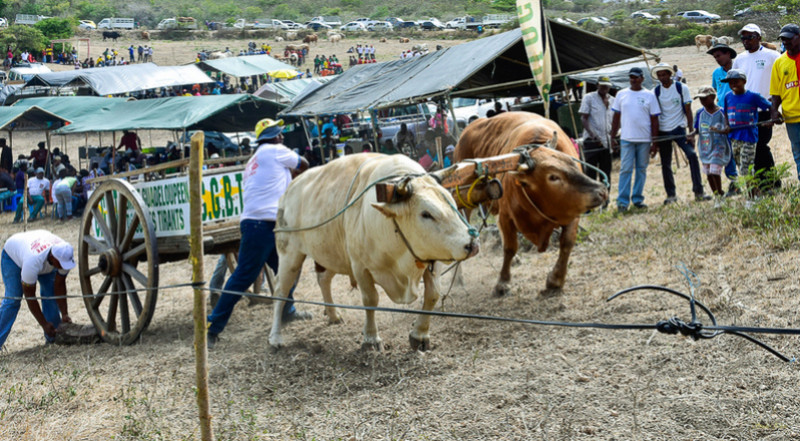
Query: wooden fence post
x=196, y=257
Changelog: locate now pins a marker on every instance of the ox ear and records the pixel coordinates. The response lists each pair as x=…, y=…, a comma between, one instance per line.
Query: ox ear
x=384, y=209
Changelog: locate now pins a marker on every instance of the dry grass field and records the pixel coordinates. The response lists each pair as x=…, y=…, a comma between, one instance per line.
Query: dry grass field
x=483, y=380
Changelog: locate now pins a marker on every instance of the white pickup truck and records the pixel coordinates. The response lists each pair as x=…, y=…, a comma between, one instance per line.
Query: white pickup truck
x=328, y=20
x=261, y=24
x=28, y=19
x=116, y=23
x=177, y=23
x=488, y=21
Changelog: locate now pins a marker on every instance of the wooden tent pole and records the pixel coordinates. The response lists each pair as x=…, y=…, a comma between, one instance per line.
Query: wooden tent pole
x=196, y=242
x=114, y=152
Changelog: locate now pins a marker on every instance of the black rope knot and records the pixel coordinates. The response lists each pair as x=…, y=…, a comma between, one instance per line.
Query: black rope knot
x=676, y=325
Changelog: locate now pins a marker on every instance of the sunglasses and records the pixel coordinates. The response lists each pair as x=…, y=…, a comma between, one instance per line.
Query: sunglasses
x=748, y=37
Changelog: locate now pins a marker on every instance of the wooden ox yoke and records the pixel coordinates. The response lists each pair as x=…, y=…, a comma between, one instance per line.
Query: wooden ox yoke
x=471, y=181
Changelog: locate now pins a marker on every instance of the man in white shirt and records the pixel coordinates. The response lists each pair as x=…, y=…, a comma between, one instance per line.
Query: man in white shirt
x=596, y=116
x=266, y=177
x=675, y=103
x=37, y=187
x=756, y=62
x=29, y=257
x=636, y=111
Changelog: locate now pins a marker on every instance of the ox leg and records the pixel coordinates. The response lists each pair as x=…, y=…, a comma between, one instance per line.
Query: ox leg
x=419, y=337
x=556, y=278
x=369, y=297
x=510, y=246
x=288, y=272
x=324, y=279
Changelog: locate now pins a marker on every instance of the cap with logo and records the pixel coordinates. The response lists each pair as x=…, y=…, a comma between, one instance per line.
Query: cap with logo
x=705, y=91
x=63, y=252
x=604, y=81
x=39, y=170
x=734, y=74
x=636, y=72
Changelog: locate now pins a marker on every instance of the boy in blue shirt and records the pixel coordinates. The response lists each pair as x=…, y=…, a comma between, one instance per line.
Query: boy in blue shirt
x=741, y=115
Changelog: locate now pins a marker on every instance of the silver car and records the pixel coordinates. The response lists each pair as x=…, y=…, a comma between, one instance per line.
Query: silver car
x=700, y=16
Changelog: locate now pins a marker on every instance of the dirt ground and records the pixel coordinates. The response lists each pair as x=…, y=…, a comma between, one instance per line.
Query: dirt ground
x=483, y=380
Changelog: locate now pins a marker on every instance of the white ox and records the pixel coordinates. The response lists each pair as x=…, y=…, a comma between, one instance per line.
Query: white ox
x=366, y=242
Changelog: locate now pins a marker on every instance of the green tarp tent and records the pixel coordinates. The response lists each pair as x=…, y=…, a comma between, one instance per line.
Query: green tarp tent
x=29, y=118
x=224, y=113
x=244, y=66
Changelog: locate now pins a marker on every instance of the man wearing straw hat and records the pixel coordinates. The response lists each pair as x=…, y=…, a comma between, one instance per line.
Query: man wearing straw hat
x=596, y=117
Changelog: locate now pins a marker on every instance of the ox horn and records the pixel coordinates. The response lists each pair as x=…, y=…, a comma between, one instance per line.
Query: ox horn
x=404, y=189
x=553, y=142
x=522, y=168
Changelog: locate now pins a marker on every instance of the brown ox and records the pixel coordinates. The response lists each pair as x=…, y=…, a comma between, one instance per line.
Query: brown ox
x=404, y=40
x=535, y=201
x=297, y=47
x=700, y=40
x=145, y=35
x=313, y=38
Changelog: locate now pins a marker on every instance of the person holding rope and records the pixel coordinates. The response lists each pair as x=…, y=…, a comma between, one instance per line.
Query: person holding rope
x=266, y=177
x=596, y=116
x=784, y=88
x=29, y=257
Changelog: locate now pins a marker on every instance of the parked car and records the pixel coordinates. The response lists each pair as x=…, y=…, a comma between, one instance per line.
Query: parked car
x=355, y=26
x=599, y=20
x=293, y=25
x=428, y=25
x=750, y=12
x=566, y=21
x=365, y=21
x=86, y=24
x=380, y=26
x=644, y=15
x=399, y=23
x=700, y=16
x=316, y=26
x=467, y=110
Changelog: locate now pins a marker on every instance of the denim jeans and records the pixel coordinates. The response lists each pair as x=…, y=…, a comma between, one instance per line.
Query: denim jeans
x=665, y=151
x=793, y=130
x=633, y=156
x=12, y=280
x=257, y=246
x=64, y=201
x=35, y=208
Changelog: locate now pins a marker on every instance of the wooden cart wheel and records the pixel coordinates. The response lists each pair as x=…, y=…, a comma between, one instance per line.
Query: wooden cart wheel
x=109, y=255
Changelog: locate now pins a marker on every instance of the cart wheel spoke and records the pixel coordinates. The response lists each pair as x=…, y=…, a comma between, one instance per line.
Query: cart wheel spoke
x=124, y=313
x=101, y=222
x=93, y=271
x=111, y=209
x=102, y=290
x=122, y=218
x=111, y=318
x=96, y=247
x=131, y=230
x=133, y=296
x=134, y=252
x=136, y=274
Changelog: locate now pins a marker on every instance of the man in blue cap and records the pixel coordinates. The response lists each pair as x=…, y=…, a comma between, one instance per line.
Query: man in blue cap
x=266, y=177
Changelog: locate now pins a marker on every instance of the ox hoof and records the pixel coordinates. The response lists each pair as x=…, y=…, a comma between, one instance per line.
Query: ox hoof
x=375, y=346
x=275, y=343
x=423, y=344
x=501, y=290
x=335, y=320
x=550, y=292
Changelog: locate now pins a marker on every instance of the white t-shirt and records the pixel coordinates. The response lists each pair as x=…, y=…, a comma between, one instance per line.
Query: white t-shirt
x=600, y=116
x=636, y=108
x=266, y=178
x=673, y=113
x=758, y=68
x=37, y=187
x=29, y=251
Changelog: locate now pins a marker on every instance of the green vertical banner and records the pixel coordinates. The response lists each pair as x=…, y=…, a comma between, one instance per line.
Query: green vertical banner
x=534, y=35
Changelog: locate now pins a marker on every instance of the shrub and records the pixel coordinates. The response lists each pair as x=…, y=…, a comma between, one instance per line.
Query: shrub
x=55, y=28
x=21, y=38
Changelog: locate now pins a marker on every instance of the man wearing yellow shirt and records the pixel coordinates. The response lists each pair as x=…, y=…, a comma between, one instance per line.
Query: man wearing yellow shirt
x=785, y=89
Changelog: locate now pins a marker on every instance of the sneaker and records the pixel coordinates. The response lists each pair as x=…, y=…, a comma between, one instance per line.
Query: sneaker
x=641, y=206
x=700, y=197
x=670, y=200
x=622, y=209
x=733, y=190
x=212, y=340
x=296, y=316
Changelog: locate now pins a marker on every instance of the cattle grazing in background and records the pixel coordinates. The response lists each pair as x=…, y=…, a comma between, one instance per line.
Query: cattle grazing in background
x=145, y=35
x=278, y=39
x=291, y=35
x=312, y=38
x=404, y=40
x=550, y=192
x=700, y=40
x=383, y=39
x=111, y=34
x=334, y=38
x=390, y=244
x=722, y=40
